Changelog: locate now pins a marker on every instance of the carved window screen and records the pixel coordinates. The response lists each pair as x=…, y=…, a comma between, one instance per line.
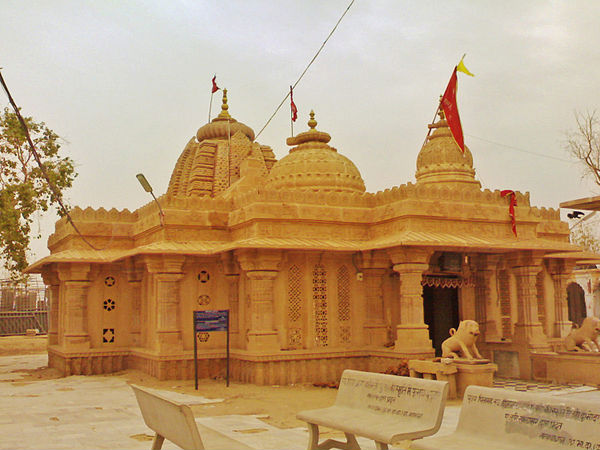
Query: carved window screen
x=319, y=284
x=504, y=298
x=343, y=297
x=295, y=339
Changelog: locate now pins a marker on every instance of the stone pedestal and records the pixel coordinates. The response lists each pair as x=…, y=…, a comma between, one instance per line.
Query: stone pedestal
x=472, y=372
x=435, y=370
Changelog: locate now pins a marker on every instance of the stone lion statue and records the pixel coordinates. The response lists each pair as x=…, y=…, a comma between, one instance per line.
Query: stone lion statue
x=584, y=338
x=461, y=343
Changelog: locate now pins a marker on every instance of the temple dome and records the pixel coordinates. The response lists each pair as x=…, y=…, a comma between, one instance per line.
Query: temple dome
x=312, y=165
x=441, y=161
x=223, y=126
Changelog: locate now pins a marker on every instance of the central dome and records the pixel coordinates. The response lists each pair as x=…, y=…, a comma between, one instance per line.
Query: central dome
x=312, y=165
x=441, y=160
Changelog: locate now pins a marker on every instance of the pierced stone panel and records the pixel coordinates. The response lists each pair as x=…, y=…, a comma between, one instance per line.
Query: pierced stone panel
x=203, y=299
x=109, y=304
x=343, y=290
x=295, y=307
x=319, y=284
x=108, y=335
x=203, y=276
x=345, y=334
x=109, y=281
x=505, y=309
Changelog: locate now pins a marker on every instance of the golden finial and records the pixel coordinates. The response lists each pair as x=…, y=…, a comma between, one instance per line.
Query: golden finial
x=312, y=123
x=224, y=107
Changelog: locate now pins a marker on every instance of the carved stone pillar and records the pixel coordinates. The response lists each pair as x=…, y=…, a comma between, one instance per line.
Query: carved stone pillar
x=232, y=277
x=52, y=282
x=374, y=267
x=166, y=273
x=412, y=333
x=261, y=269
x=487, y=296
x=560, y=271
x=528, y=329
x=134, y=279
x=75, y=284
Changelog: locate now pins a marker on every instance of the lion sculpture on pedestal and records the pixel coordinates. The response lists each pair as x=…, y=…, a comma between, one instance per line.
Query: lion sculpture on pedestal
x=584, y=339
x=461, y=343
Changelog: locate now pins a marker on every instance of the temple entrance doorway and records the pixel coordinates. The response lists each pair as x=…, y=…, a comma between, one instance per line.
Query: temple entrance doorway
x=576, y=302
x=440, y=306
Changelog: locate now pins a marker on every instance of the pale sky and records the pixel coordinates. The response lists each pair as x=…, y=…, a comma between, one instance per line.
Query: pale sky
x=127, y=84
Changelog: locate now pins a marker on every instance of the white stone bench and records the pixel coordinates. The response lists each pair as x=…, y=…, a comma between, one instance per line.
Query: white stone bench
x=384, y=408
x=175, y=422
x=493, y=418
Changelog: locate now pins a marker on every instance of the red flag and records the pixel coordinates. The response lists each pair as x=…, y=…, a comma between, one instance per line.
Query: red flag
x=215, y=88
x=450, y=108
x=511, y=207
x=293, y=106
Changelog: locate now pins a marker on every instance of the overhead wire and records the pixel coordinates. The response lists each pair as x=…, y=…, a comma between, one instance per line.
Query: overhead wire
x=54, y=191
x=305, y=70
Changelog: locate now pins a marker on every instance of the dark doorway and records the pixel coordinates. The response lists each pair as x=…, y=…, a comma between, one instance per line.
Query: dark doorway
x=576, y=301
x=441, y=313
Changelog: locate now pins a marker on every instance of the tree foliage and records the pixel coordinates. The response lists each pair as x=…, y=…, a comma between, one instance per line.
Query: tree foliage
x=23, y=188
x=583, y=235
x=584, y=143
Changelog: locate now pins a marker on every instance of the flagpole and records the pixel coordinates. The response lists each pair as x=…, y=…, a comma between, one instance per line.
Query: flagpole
x=432, y=121
x=210, y=106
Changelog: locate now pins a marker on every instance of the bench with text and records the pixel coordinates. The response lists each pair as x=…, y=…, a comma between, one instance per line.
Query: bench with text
x=384, y=408
x=494, y=418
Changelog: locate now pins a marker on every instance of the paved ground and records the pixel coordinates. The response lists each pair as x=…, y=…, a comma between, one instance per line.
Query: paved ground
x=100, y=412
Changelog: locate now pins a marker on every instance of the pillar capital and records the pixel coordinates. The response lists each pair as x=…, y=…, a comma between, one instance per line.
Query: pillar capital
x=561, y=266
x=50, y=275
x=164, y=263
x=410, y=255
x=525, y=258
x=259, y=260
x=374, y=260
x=74, y=272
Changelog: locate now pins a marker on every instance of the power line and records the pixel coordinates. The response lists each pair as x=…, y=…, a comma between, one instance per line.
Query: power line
x=520, y=149
x=306, y=69
x=36, y=156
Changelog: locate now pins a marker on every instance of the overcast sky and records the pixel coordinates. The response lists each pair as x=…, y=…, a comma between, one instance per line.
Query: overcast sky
x=127, y=83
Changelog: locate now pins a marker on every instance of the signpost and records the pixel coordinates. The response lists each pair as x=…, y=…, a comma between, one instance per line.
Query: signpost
x=206, y=321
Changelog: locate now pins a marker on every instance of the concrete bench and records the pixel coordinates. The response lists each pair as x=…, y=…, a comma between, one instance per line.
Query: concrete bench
x=493, y=418
x=175, y=422
x=384, y=408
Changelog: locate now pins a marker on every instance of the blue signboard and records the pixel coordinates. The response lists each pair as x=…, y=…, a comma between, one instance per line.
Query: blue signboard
x=211, y=320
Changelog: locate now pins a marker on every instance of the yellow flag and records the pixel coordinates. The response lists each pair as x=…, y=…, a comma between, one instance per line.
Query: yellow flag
x=462, y=68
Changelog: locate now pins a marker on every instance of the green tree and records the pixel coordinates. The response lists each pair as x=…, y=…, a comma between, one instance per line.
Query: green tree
x=23, y=187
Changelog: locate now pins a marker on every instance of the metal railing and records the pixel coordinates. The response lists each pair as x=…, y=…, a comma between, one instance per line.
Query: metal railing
x=23, y=306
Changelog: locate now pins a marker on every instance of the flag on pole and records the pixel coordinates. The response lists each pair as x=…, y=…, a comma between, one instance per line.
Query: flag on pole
x=215, y=88
x=293, y=105
x=462, y=68
x=450, y=108
x=511, y=208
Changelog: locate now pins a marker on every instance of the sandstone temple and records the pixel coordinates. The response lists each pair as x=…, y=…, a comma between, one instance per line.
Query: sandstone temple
x=318, y=275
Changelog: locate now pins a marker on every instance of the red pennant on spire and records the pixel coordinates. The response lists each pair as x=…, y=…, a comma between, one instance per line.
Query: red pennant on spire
x=511, y=207
x=450, y=108
x=293, y=105
x=215, y=88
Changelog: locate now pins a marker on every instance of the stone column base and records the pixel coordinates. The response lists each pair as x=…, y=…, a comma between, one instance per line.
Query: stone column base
x=263, y=341
x=532, y=335
x=169, y=341
x=413, y=339
x=76, y=342
x=376, y=334
x=562, y=329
